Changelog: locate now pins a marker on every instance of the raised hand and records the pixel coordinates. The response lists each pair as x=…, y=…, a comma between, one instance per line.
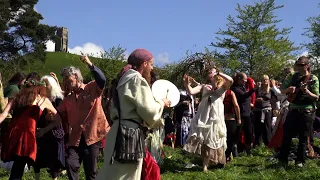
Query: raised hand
x=85, y=59
x=52, y=74
x=272, y=83
x=186, y=80
x=193, y=81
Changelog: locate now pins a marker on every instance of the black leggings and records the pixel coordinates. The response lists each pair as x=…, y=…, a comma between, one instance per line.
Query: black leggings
x=231, y=135
x=246, y=126
x=54, y=172
x=18, y=166
x=262, y=128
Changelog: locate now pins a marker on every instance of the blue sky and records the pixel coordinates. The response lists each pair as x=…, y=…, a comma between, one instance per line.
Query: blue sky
x=167, y=28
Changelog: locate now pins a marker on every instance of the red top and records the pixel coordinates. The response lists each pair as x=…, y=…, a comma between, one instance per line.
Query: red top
x=21, y=134
x=249, y=86
x=228, y=105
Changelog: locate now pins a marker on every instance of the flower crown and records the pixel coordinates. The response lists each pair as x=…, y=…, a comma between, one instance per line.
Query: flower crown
x=33, y=83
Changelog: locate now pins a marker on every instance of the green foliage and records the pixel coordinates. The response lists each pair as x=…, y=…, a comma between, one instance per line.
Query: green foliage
x=194, y=64
x=313, y=32
x=252, y=43
x=56, y=61
x=21, y=32
x=256, y=167
x=114, y=53
x=166, y=71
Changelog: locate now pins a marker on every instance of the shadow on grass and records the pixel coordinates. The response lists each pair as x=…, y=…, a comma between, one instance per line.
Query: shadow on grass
x=246, y=165
x=176, y=161
x=176, y=165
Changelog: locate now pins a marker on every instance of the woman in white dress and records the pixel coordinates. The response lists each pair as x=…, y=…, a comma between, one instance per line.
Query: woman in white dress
x=208, y=132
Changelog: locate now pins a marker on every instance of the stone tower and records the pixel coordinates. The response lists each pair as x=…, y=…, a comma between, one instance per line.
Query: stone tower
x=62, y=43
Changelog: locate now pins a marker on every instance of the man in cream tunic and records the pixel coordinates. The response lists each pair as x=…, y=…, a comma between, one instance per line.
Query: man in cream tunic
x=136, y=103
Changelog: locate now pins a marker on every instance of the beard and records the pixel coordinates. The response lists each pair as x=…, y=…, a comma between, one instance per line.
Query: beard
x=147, y=76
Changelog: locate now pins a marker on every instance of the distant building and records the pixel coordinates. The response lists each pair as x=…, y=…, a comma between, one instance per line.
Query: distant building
x=62, y=43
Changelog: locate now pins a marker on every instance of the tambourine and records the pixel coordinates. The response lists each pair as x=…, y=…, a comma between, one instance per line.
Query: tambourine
x=166, y=89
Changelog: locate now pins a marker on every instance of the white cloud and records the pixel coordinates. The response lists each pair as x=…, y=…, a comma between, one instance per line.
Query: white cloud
x=95, y=50
x=87, y=48
x=50, y=46
x=162, y=58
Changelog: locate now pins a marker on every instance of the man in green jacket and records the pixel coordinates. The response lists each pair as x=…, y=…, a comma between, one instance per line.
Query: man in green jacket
x=302, y=89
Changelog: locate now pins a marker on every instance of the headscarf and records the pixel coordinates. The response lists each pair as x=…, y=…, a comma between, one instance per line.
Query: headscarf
x=135, y=59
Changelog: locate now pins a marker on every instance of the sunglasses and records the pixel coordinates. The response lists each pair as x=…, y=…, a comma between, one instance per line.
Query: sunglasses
x=300, y=65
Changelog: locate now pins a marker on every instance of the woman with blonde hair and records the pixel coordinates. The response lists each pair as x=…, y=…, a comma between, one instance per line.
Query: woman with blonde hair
x=51, y=145
x=263, y=112
x=208, y=133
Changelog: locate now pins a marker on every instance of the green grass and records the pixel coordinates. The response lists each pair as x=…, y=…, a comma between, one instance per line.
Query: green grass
x=56, y=61
x=243, y=167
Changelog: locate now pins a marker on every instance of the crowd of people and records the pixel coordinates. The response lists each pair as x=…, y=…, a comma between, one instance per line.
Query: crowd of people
x=45, y=125
x=237, y=114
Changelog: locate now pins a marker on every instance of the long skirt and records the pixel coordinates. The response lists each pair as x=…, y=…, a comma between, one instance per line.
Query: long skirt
x=277, y=133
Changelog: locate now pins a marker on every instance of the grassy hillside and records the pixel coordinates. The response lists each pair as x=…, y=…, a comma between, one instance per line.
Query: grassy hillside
x=56, y=61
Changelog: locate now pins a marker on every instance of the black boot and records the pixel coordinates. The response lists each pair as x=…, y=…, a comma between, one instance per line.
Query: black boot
x=248, y=150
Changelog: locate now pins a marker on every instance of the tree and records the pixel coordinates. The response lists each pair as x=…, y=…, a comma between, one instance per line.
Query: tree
x=21, y=32
x=313, y=32
x=252, y=43
x=114, y=53
x=194, y=64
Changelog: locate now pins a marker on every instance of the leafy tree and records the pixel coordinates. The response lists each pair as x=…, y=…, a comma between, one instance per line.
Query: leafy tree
x=166, y=71
x=313, y=32
x=194, y=64
x=252, y=43
x=21, y=32
x=114, y=53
